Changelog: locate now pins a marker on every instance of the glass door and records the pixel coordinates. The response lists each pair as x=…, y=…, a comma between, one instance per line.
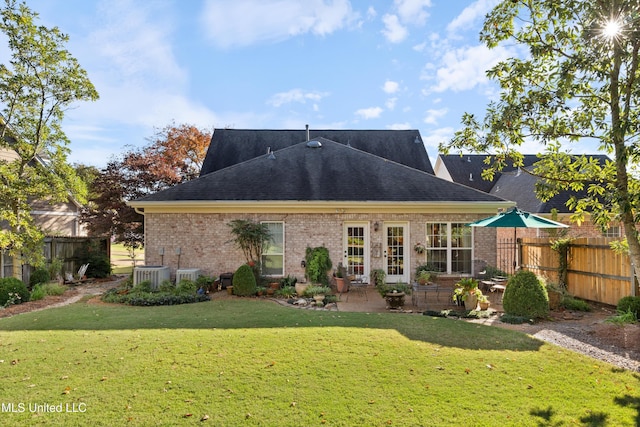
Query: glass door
x=395, y=252
x=356, y=250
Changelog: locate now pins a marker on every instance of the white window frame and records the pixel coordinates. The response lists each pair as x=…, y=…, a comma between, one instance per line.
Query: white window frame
x=448, y=248
x=265, y=250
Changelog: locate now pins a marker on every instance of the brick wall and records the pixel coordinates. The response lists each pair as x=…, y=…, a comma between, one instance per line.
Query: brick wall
x=205, y=241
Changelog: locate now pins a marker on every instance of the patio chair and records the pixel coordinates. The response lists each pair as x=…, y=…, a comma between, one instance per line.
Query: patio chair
x=359, y=284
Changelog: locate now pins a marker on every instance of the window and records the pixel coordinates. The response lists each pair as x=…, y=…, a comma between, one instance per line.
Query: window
x=273, y=252
x=449, y=247
x=613, y=231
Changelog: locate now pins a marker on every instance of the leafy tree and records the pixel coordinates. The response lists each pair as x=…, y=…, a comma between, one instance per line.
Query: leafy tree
x=577, y=82
x=174, y=155
x=38, y=84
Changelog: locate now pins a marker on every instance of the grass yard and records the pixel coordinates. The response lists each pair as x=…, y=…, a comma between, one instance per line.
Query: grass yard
x=250, y=362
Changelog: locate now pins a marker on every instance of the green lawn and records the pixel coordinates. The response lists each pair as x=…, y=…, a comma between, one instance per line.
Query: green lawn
x=251, y=362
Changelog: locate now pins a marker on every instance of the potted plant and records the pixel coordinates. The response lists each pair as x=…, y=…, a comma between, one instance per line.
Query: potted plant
x=341, y=284
x=394, y=294
x=423, y=277
x=261, y=290
x=317, y=292
x=483, y=302
x=466, y=290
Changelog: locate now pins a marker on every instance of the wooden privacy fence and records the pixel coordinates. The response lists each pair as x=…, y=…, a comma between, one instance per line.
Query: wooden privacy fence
x=594, y=271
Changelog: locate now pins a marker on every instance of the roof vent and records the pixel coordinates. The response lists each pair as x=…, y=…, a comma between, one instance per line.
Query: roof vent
x=470, y=177
x=271, y=156
x=469, y=159
x=417, y=140
x=314, y=144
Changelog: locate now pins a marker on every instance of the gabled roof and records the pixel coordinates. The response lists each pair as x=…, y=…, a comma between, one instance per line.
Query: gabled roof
x=467, y=169
x=520, y=186
x=511, y=184
x=232, y=146
x=332, y=172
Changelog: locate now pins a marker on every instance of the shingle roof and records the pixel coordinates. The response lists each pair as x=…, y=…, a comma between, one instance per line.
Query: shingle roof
x=233, y=146
x=510, y=184
x=333, y=172
x=467, y=169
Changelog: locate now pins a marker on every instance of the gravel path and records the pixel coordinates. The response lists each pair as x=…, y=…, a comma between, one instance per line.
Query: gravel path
x=586, y=333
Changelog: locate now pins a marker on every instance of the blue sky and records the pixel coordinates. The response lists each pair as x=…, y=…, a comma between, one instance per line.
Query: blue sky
x=272, y=64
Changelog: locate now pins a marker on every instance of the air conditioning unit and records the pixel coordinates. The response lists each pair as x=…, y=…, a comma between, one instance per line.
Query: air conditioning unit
x=156, y=274
x=187, y=274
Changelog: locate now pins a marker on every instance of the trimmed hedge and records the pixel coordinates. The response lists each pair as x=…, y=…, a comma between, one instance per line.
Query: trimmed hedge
x=526, y=296
x=244, y=282
x=11, y=285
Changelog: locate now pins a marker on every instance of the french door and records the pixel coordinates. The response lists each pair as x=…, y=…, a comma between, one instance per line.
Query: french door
x=356, y=249
x=396, y=253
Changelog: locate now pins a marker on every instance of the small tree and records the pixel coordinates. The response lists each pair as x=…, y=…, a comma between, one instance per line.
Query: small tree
x=250, y=237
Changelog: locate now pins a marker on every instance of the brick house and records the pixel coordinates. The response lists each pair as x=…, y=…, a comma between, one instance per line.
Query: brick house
x=368, y=196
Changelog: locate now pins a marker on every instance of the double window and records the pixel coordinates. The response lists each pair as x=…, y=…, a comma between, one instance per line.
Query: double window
x=273, y=251
x=449, y=247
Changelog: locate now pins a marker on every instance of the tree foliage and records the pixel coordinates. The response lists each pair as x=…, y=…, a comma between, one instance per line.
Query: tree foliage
x=576, y=80
x=38, y=84
x=174, y=155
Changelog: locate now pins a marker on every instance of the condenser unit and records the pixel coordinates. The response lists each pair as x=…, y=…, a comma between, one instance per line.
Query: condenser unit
x=156, y=274
x=187, y=274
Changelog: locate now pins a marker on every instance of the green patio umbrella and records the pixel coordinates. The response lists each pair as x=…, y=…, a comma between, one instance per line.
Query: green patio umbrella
x=516, y=218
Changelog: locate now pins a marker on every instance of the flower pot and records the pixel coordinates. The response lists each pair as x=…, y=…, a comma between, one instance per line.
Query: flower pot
x=484, y=305
x=300, y=288
x=341, y=285
x=319, y=299
x=471, y=302
x=395, y=299
x=230, y=290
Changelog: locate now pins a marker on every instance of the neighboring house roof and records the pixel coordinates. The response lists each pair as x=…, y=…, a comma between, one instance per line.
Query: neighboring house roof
x=232, y=146
x=510, y=184
x=332, y=172
x=467, y=169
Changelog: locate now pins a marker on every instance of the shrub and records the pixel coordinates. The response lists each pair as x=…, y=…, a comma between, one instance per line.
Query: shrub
x=285, y=292
x=244, y=281
x=37, y=293
x=571, y=303
x=631, y=304
x=167, y=286
x=54, y=289
x=318, y=263
x=98, y=260
x=205, y=282
x=12, y=291
x=526, y=296
x=187, y=287
x=39, y=275
x=144, y=286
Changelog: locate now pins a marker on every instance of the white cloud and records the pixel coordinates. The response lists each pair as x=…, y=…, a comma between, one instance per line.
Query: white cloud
x=391, y=103
x=433, y=115
x=465, y=68
x=412, y=11
x=369, y=113
x=230, y=23
x=471, y=15
x=295, y=95
x=390, y=87
x=393, y=30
